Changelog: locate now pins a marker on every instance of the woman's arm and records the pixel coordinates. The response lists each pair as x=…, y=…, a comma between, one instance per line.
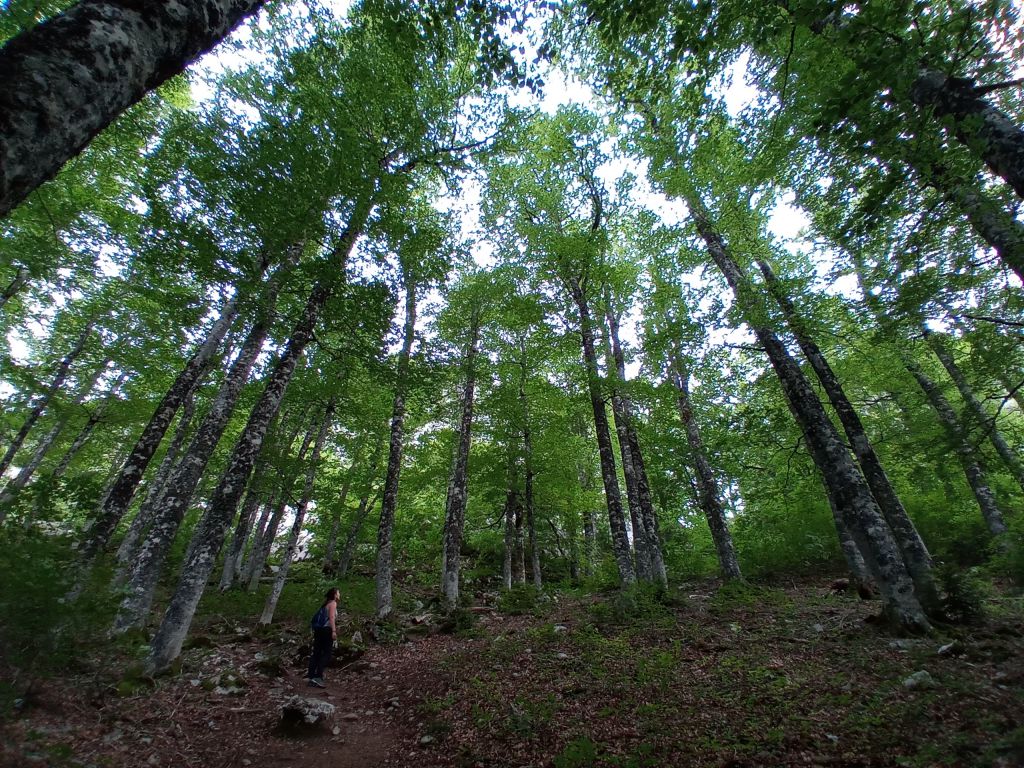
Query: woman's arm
x=332, y=615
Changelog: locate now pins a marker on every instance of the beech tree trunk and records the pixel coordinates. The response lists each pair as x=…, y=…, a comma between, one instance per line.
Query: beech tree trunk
x=980, y=126
x=531, y=523
x=300, y=519
x=330, y=560
x=216, y=520
x=117, y=498
x=263, y=543
x=365, y=505
x=651, y=543
x=915, y=554
x=518, y=550
x=455, y=506
x=66, y=79
x=984, y=422
x=620, y=538
x=510, y=536
x=390, y=499
x=44, y=399
x=232, y=568
x=15, y=286
x=86, y=432
x=707, y=486
x=147, y=564
x=848, y=492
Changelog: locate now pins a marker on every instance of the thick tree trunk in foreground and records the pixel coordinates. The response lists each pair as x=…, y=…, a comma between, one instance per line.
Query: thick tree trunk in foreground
x=707, y=485
x=654, y=560
x=981, y=127
x=847, y=490
x=116, y=500
x=390, y=499
x=455, y=507
x=983, y=421
x=44, y=399
x=65, y=80
x=147, y=565
x=915, y=554
x=620, y=538
x=300, y=519
x=215, y=522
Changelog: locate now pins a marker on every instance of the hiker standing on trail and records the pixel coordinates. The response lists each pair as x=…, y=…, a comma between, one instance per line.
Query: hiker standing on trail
x=325, y=634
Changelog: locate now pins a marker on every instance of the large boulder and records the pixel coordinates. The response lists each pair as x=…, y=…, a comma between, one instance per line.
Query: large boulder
x=299, y=711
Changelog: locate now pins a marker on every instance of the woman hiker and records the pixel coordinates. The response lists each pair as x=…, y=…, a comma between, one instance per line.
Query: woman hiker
x=325, y=634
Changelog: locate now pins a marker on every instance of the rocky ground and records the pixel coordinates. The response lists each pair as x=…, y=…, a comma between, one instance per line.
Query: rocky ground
x=786, y=676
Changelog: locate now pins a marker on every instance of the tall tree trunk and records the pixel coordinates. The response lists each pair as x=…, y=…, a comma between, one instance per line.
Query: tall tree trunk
x=366, y=503
x=707, y=486
x=507, y=568
x=646, y=513
x=620, y=538
x=390, y=499
x=848, y=492
x=232, y=568
x=147, y=564
x=264, y=542
x=117, y=498
x=44, y=399
x=518, y=550
x=455, y=506
x=330, y=551
x=985, y=422
x=980, y=126
x=143, y=519
x=83, y=436
x=216, y=520
x=300, y=519
x=66, y=79
x=13, y=288
x=531, y=523
x=912, y=547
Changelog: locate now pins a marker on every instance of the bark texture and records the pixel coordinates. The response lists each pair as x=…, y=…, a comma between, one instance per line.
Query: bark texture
x=65, y=80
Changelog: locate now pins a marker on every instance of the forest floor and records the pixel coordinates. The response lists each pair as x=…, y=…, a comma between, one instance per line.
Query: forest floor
x=751, y=676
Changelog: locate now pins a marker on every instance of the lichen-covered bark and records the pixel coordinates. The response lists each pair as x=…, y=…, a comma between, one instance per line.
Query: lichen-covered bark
x=912, y=546
x=300, y=518
x=121, y=491
x=511, y=501
x=707, y=485
x=455, y=507
x=847, y=490
x=232, y=567
x=394, y=469
x=613, y=498
x=65, y=80
x=980, y=126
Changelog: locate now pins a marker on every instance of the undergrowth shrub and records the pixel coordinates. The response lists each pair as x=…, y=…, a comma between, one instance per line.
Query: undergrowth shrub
x=964, y=594
x=636, y=604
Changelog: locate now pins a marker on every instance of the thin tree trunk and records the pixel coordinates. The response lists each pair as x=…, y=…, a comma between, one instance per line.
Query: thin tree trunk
x=912, y=547
x=974, y=406
x=455, y=506
x=96, y=59
x=83, y=436
x=268, y=535
x=147, y=564
x=330, y=552
x=620, y=538
x=390, y=501
x=215, y=522
x=707, y=486
x=15, y=286
x=300, y=518
x=233, y=559
x=982, y=128
x=510, y=537
x=518, y=551
x=848, y=492
x=366, y=503
x=117, y=498
x=44, y=399
x=531, y=524
x=648, y=518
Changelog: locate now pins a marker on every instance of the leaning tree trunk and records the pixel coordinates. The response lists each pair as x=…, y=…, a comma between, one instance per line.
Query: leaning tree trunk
x=44, y=399
x=19, y=281
x=620, y=538
x=848, y=492
x=264, y=542
x=330, y=551
x=912, y=546
x=985, y=422
x=646, y=513
x=981, y=127
x=147, y=565
x=707, y=485
x=215, y=522
x=86, y=432
x=232, y=568
x=455, y=507
x=366, y=503
x=120, y=493
x=390, y=499
x=66, y=79
x=300, y=518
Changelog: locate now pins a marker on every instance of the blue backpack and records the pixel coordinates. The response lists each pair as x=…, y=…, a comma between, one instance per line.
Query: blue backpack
x=321, y=619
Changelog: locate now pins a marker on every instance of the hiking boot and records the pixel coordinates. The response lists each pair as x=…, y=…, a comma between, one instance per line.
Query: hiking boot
x=317, y=681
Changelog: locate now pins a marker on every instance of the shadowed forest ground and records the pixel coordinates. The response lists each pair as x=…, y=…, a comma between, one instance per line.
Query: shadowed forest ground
x=736, y=676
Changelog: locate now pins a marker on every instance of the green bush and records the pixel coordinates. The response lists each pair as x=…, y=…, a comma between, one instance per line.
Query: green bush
x=964, y=594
